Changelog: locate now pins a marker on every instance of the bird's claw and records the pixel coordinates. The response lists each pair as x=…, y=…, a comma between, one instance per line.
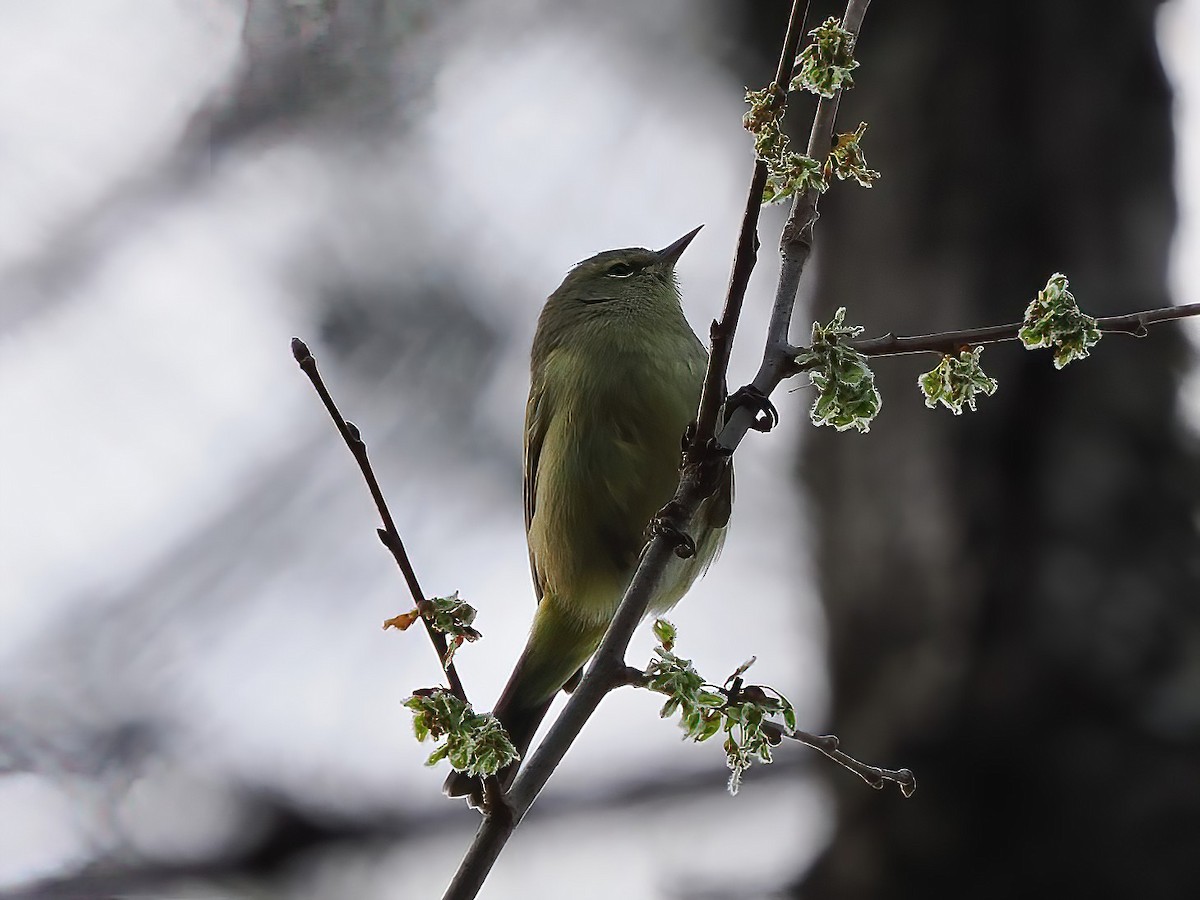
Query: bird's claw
x=666, y=523
x=766, y=416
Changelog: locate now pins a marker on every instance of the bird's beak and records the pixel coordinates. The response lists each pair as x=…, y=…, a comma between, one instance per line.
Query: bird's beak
x=669, y=254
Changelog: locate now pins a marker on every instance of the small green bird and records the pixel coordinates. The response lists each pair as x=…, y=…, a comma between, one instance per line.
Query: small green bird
x=616, y=374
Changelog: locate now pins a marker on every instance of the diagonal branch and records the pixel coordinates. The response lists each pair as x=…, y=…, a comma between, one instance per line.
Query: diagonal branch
x=388, y=533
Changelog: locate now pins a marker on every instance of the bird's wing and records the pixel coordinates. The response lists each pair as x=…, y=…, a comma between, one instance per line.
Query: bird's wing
x=536, y=417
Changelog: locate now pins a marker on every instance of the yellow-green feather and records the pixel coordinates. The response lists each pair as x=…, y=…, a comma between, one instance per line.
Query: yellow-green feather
x=616, y=374
x=609, y=401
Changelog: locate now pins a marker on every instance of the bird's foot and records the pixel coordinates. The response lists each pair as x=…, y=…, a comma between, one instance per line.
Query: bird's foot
x=766, y=416
x=667, y=523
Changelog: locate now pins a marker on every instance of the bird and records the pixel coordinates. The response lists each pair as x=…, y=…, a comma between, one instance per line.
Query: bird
x=615, y=379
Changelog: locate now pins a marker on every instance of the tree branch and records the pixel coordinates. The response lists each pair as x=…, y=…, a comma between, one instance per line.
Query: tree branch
x=608, y=668
x=795, y=246
x=745, y=256
x=721, y=333
x=828, y=744
x=388, y=533
x=952, y=341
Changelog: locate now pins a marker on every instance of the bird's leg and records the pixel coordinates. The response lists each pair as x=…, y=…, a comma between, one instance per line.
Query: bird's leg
x=766, y=416
x=667, y=523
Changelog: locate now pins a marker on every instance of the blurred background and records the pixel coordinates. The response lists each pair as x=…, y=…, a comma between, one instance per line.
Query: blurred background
x=196, y=697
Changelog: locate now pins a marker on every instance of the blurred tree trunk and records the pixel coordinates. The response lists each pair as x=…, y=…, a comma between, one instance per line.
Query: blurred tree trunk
x=1013, y=596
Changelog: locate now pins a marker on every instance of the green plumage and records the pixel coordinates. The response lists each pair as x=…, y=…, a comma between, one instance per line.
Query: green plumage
x=616, y=374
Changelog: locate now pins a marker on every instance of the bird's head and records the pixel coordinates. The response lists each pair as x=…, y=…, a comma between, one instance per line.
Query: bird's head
x=633, y=274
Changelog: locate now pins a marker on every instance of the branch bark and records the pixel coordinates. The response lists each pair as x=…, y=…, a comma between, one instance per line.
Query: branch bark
x=830, y=746
x=388, y=533
x=952, y=341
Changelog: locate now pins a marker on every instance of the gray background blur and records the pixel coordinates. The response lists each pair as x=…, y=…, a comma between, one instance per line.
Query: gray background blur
x=196, y=698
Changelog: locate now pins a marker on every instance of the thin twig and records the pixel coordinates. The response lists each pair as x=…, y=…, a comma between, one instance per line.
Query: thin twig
x=608, y=669
x=721, y=333
x=791, y=46
x=388, y=533
x=952, y=341
x=829, y=744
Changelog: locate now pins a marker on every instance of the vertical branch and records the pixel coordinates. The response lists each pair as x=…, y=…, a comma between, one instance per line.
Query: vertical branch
x=746, y=255
x=795, y=247
x=721, y=333
x=791, y=45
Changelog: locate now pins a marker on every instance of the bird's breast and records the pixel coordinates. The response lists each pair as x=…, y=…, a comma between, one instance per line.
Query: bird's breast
x=609, y=460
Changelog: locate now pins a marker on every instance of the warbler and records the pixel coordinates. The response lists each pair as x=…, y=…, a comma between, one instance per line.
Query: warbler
x=615, y=378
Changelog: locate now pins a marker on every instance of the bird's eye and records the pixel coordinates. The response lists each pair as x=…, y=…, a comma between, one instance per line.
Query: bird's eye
x=620, y=270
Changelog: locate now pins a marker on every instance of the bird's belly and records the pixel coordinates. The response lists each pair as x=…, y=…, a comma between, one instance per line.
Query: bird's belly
x=611, y=476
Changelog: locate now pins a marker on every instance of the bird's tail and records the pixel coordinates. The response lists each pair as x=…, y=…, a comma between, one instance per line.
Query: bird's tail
x=521, y=721
x=557, y=647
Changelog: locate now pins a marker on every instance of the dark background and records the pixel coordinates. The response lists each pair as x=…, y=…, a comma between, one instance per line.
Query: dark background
x=1026, y=634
